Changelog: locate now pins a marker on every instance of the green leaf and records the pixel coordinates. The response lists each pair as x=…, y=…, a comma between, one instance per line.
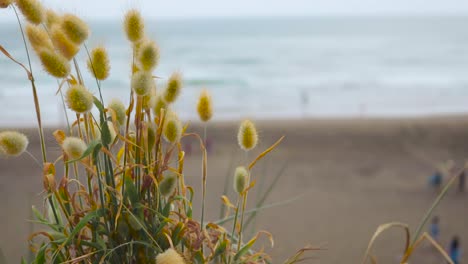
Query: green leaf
x=83, y=222
x=105, y=134
x=245, y=249
x=198, y=257
x=220, y=249
x=40, y=256
x=91, y=148
x=95, y=144
x=38, y=214
x=98, y=104
x=131, y=190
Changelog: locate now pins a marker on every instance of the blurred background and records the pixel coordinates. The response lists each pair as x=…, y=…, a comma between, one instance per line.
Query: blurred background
x=371, y=95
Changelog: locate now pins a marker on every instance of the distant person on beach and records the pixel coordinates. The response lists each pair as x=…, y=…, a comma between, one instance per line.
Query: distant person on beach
x=435, y=181
x=304, y=102
x=434, y=229
x=462, y=179
x=454, y=250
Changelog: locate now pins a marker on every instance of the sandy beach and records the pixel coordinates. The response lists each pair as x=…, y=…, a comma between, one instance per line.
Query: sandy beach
x=348, y=175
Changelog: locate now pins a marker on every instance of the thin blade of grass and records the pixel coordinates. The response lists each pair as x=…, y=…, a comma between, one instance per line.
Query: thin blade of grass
x=267, y=193
x=383, y=228
x=263, y=154
x=4, y=51
x=229, y=218
x=434, y=205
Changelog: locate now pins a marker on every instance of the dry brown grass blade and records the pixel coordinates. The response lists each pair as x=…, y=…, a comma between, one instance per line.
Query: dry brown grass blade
x=426, y=236
x=4, y=51
x=383, y=228
x=296, y=258
x=265, y=152
x=80, y=258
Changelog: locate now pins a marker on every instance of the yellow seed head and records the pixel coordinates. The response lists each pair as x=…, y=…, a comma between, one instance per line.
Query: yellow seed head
x=142, y=83
x=119, y=109
x=51, y=18
x=167, y=186
x=172, y=129
x=241, y=179
x=63, y=44
x=148, y=55
x=247, y=136
x=32, y=10
x=5, y=3
x=157, y=102
x=134, y=25
x=54, y=63
x=170, y=256
x=99, y=64
x=38, y=38
x=205, y=106
x=74, y=147
x=13, y=143
x=75, y=28
x=79, y=99
x=174, y=85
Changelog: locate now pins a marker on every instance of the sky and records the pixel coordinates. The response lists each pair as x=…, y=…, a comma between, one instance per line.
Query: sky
x=238, y=8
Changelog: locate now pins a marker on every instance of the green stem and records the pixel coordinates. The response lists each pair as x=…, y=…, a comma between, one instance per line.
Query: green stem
x=35, y=97
x=204, y=175
x=234, y=225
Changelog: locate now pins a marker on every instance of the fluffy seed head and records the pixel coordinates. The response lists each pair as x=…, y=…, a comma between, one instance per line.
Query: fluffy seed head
x=119, y=109
x=63, y=44
x=172, y=129
x=170, y=256
x=79, y=99
x=241, y=179
x=38, y=38
x=99, y=64
x=148, y=55
x=157, y=102
x=174, y=85
x=205, y=106
x=32, y=10
x=247, y=136
x=134, y=25
x=75, y=28
x=167, y=186
x=5, y=3
x=51, y=18
x=13, y=143
x=142, y=83
x=74, y=147
x=54, y=63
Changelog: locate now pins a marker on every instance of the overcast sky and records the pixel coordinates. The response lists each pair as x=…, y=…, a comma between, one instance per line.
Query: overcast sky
x=213, y=8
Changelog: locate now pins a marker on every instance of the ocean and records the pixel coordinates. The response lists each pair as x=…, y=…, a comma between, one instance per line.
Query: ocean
x=267, y=68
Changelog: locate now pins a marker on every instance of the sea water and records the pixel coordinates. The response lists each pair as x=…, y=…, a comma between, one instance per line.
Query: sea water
x=267, y=68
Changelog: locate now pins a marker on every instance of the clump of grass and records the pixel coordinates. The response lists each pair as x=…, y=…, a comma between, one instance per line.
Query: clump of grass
x=122, y=197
